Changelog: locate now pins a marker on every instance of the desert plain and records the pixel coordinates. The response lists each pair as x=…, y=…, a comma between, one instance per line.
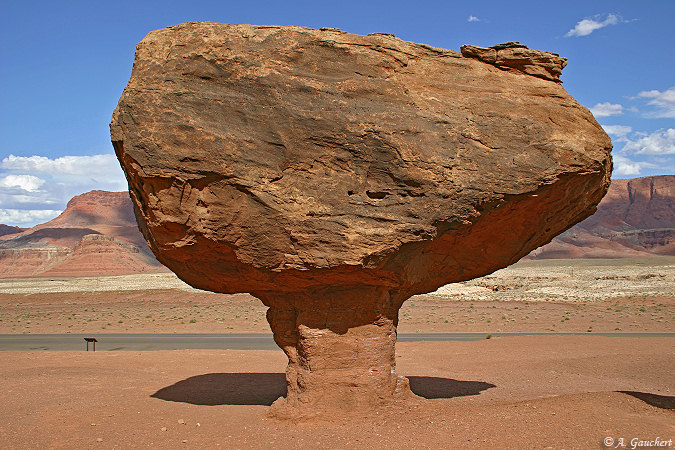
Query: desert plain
x=543, y=391
x=571, y=295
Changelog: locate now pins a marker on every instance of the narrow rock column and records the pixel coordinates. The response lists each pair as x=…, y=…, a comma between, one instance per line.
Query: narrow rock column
x=340, y=345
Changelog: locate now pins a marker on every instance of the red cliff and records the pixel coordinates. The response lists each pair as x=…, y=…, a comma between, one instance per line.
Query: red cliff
x=96, y=235
x=636, y=218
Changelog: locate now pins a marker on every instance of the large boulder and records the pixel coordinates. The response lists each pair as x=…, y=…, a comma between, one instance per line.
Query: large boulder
x=334, y=175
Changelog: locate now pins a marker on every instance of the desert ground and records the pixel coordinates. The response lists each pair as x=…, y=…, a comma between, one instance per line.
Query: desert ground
x=569, y=392
x=549, y=295
x=505, y=392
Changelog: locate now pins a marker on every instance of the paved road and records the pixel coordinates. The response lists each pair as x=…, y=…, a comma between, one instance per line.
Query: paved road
x=112, y=342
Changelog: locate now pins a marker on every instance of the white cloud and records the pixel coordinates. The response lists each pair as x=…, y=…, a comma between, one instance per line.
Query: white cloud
x=663, y=101
x=624, y=166
x=620, y=131
x=473, y=19
x=587, y=26
x=606, y=109
x=27, y=217
x=101, y=168
x=660, y=142
x=38, y=183
x=24, y=182
x=643, y=153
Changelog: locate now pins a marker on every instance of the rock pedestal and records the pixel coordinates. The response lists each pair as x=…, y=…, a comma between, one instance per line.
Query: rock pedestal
x=334, y=175
x=340, y=344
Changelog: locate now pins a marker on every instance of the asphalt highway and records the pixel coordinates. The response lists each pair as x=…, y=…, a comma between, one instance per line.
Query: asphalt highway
x=135, y=342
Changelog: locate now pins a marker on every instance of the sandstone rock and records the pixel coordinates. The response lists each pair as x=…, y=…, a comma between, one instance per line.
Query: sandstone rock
x=334, y=175
x=516, y=56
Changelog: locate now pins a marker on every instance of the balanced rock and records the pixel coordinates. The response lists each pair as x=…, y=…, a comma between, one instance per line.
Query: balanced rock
x=334, y=175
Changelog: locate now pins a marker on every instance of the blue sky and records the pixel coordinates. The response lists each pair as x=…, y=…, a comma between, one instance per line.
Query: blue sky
x=64, y=65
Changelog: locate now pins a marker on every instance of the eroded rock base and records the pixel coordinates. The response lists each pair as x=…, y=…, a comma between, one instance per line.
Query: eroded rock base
x=340, y=345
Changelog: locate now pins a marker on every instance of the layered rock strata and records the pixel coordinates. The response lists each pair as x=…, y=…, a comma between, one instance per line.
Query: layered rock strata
x=96, y=235
x=334, y=175
x=635, y=219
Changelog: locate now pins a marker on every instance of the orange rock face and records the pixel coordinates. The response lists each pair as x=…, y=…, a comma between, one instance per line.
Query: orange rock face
x=334, y=175
x=517, y=57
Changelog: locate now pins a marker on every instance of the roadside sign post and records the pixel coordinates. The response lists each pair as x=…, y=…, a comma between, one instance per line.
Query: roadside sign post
x=93, y=341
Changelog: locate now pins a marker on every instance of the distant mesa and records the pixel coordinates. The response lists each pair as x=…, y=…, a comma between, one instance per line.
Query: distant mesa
x=636, y=218
x=96, y=235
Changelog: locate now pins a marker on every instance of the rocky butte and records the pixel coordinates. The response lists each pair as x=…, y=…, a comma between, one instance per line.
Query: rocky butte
x=95, y=235
x=333, y=176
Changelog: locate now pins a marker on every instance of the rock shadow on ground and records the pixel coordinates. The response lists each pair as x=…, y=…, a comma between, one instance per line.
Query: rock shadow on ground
x=659, y=401
x=435, y=387
x=226, y=389
x=264, y=388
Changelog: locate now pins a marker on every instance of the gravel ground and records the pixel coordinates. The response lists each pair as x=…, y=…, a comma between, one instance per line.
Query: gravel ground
x=571, y=280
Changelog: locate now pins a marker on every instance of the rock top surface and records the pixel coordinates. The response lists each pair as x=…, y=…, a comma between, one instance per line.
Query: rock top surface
x=283, y=159
x=516, y=56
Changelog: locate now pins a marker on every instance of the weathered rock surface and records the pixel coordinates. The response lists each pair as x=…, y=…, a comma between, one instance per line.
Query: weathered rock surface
x=635, y=218
x=516, y=56
x=334, y=175
x=96, y=235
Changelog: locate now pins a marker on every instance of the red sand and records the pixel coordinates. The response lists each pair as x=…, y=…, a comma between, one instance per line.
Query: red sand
x=517, y=392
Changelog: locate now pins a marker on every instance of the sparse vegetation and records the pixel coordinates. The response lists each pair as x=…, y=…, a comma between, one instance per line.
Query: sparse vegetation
x=519, y=305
